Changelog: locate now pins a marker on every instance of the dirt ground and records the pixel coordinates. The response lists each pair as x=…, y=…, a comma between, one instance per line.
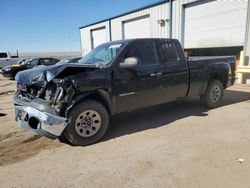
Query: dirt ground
x=179, y=144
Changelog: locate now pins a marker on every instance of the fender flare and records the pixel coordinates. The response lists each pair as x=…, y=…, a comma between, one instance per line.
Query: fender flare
x=99, y=95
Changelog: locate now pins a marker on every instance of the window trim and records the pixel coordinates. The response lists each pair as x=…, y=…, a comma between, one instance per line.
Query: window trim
x=154, y=48
x=6, y=55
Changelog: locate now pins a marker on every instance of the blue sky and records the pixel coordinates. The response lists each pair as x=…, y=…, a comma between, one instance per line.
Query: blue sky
x=52, y=25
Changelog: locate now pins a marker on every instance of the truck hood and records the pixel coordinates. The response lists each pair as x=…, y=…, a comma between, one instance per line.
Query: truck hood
x=13, y=66
x=42, y=75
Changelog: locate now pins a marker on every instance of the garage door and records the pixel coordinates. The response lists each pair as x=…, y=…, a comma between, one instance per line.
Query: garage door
x=98, y=36
x=215, y=24
x=136, y=28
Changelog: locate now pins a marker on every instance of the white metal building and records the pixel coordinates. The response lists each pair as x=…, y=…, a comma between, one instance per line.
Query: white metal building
x=198, y=24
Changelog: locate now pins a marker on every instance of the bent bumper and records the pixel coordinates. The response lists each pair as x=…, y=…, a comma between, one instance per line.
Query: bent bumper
x=43, y=123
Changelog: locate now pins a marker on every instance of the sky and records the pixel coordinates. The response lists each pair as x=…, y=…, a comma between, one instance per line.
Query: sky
x=53, y=25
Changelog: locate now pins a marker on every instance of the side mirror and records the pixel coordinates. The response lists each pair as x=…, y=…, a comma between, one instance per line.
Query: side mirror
x=129, y=63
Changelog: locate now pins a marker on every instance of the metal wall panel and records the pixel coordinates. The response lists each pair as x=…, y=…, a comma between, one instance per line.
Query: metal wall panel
x=155, y=13
x=156, y=30
x=178, y=18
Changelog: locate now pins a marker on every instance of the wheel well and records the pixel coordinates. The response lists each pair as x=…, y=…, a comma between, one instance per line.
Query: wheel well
x=101, y=98
x=220, y=78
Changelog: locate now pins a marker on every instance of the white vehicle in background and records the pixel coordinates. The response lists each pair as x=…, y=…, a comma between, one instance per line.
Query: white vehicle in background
x=7, y=59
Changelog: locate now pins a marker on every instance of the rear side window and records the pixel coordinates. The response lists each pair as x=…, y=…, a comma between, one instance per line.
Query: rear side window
x=169, y=53
x=54, y=60
x=145, y=52
x=46, y=61
x=3, y=55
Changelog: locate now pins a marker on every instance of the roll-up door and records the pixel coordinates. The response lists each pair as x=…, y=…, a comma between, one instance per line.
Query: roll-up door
x=98, y=36
x=137, y=28
x=218, y=23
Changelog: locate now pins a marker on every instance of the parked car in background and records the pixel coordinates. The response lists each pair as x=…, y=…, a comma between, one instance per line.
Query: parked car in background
x=21, y=60
x=10, y=71
x=69, y=60
x=75, y=101
x=7, y=59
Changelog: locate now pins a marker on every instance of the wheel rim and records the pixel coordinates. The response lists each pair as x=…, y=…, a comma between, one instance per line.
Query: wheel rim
x=215, y=94
x=88, y=123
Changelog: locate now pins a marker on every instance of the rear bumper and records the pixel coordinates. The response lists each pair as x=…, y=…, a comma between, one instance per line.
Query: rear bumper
x=40, y=122
x=231, y=80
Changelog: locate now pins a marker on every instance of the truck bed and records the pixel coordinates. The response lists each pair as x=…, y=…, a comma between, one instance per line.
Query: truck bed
x=202, y=67
x=202, y=58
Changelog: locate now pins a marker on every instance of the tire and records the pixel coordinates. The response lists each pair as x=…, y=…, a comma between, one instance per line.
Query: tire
x=88, y=123
x=13, y=75
x=214, y=94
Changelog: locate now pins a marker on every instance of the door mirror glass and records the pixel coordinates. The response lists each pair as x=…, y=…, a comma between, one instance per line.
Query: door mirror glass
x=129, y=63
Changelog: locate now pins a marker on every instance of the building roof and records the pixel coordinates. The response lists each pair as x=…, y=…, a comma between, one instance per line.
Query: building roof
x=123, y=14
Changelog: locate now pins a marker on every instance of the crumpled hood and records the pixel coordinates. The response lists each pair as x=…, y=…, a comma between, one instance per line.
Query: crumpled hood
x=41, y=75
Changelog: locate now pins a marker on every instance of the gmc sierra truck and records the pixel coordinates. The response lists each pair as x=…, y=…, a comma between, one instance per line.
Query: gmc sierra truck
x=6, y=59
x=75, y=101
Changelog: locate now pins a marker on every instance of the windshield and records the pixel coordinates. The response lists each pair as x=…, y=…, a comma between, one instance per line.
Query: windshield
x=32, y=62
x=102, y=55
x=25, y=61
x=21, y=61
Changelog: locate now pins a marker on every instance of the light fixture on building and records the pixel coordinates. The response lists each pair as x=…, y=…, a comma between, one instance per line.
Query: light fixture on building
x=161, y=22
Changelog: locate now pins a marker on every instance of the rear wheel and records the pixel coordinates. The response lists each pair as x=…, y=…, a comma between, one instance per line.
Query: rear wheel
x=213, y=95
x=88, y=122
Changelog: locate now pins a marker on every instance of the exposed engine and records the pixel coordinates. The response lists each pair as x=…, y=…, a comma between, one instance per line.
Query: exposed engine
x=57, y=93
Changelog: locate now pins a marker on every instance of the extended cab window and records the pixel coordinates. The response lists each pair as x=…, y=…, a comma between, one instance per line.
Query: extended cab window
x=3, y=55
x=169, y=53
x=145, y=52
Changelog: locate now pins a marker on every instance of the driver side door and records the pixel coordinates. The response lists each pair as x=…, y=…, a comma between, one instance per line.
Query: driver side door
x=139, y=87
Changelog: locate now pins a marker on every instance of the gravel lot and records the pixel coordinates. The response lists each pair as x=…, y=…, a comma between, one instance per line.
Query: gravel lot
x=173, y=145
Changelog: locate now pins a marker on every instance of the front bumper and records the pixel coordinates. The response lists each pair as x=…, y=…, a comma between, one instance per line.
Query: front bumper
x=7, y=73
x=41, y=122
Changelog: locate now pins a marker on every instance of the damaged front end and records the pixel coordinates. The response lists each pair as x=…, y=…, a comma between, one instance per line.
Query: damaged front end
x=41, y=99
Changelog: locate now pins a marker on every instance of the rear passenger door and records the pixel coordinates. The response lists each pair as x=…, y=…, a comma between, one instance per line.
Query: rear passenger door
x=141, y=87
x=176, y=77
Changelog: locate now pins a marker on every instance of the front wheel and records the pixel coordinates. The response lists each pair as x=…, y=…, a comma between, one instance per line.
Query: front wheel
x=213, y=95
x=88, y=122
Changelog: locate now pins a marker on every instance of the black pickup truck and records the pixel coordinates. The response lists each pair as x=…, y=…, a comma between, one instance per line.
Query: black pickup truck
x=75, y=101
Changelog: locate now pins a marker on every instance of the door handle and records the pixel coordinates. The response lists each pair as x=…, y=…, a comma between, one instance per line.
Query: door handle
x=158, y=74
